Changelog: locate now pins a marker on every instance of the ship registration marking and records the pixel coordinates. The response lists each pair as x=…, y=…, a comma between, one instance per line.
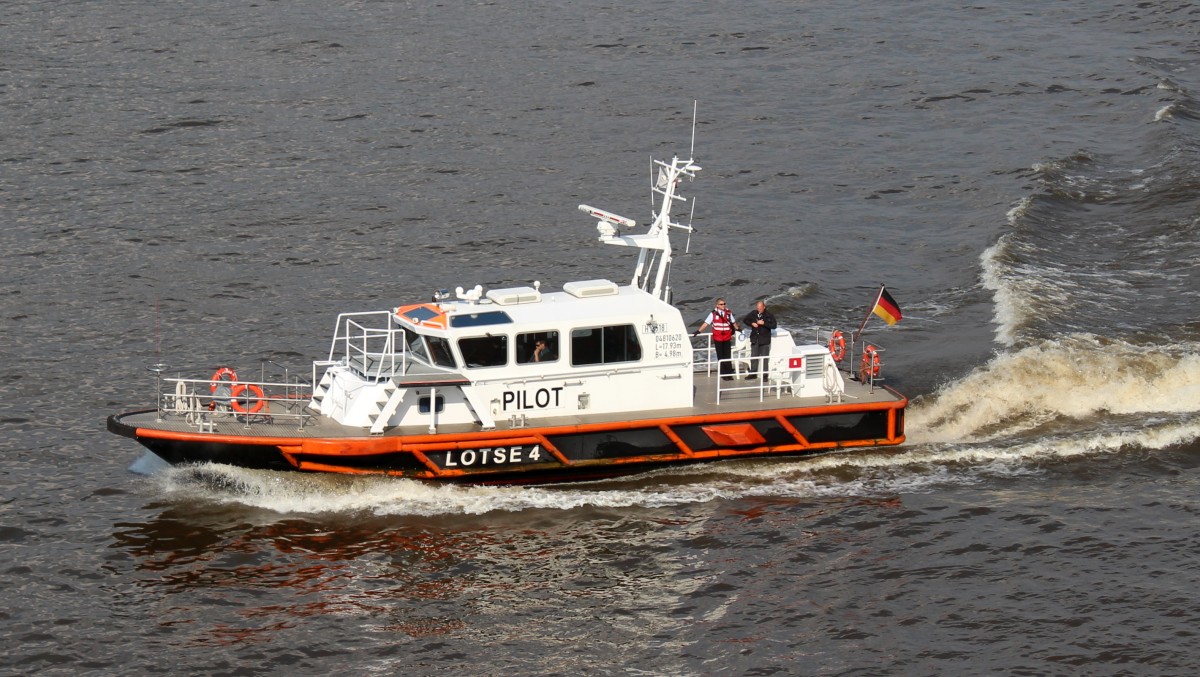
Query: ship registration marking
x=515, y=455
x=668, y=346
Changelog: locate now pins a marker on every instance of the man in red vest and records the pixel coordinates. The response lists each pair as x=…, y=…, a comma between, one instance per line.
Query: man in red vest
x=723, y=324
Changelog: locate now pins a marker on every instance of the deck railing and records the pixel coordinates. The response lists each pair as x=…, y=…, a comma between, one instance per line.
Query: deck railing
x=704, y=359
x=853, y=363
x=203, y=401
x=369, y=342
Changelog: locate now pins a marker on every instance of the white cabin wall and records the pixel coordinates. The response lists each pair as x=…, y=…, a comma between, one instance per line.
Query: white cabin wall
x=592, y=392
x=353, y=401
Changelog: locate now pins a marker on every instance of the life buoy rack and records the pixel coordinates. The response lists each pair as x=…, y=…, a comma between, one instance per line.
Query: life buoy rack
x=837, y=345
x=221, y=378
x=257, y=397
x=870, y=362
x=219, y=375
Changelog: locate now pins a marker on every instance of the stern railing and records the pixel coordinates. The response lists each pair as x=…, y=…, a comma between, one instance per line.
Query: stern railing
x=861, y=367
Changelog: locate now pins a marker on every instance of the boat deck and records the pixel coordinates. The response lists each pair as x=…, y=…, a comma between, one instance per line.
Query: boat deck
x=294, y=420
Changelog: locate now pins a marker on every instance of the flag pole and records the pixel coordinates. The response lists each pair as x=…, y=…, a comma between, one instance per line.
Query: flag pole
x=866, y=319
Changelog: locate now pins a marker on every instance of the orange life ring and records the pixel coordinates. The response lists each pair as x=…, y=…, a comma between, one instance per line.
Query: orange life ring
x=837, y=346
x=218, y=374
x=236, y=403
x=870, y=362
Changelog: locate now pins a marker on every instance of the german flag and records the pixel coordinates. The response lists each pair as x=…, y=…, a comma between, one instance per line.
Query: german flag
x=887, y=308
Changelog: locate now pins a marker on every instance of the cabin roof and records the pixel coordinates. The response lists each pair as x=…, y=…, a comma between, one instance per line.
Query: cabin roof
x=591, y=302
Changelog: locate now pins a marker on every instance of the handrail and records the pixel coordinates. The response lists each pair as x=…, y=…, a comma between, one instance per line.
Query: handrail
x=706, y=351
x=374, y=345
x=761, y=383
x=197, y=403
x=740, y=352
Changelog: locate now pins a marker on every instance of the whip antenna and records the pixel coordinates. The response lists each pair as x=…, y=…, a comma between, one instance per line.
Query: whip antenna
x=687, y=246
x=695, y=107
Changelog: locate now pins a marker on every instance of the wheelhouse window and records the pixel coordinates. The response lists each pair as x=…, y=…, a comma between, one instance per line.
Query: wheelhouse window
x=484, y=351
x=431, y=349
x=480, y=319
x=416, y=344
x=605, y=345
x=439, y=351
x=538, y=346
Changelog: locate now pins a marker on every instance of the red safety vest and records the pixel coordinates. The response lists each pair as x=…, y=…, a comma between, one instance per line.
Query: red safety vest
x=722, y=325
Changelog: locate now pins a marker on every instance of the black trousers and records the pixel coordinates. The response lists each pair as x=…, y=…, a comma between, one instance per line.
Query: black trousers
x=757, y=351
x=724, y=350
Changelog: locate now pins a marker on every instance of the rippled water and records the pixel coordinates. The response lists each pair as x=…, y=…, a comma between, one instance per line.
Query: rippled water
x=211, y=184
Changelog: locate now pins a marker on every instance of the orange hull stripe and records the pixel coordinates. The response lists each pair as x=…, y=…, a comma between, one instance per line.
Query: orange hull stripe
x=442, y=441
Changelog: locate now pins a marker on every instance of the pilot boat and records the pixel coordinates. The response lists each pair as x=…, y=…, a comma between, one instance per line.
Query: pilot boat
x=529, y=385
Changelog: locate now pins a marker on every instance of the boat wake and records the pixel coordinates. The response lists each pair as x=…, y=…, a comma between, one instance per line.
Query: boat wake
x=831, y=476
x=1056, y=386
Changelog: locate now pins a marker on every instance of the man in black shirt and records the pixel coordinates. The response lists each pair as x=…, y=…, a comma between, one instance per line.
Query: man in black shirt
x=762, y=325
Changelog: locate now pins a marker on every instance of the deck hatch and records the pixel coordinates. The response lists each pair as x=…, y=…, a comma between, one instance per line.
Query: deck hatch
x=420, y=314
x=514, y=296
x=591, y=288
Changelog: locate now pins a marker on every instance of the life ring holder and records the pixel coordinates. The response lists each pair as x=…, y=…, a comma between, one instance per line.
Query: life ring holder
x=235, y=399
x=219, y=381
x=870, y=363
x=837, y=345
x=217, y=377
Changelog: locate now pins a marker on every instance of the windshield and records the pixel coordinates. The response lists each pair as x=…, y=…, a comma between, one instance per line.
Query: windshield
x=416, y=345
x=430, y=349
x=439, y=349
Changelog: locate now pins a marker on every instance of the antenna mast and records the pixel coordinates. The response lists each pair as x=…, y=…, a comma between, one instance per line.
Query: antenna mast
x=657, y=240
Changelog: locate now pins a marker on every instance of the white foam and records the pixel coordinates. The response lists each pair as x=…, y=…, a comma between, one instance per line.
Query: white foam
x=287, y=492
x=799, y=291
x=1009, y=309
x=1019, y=209
x=1074, y=377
